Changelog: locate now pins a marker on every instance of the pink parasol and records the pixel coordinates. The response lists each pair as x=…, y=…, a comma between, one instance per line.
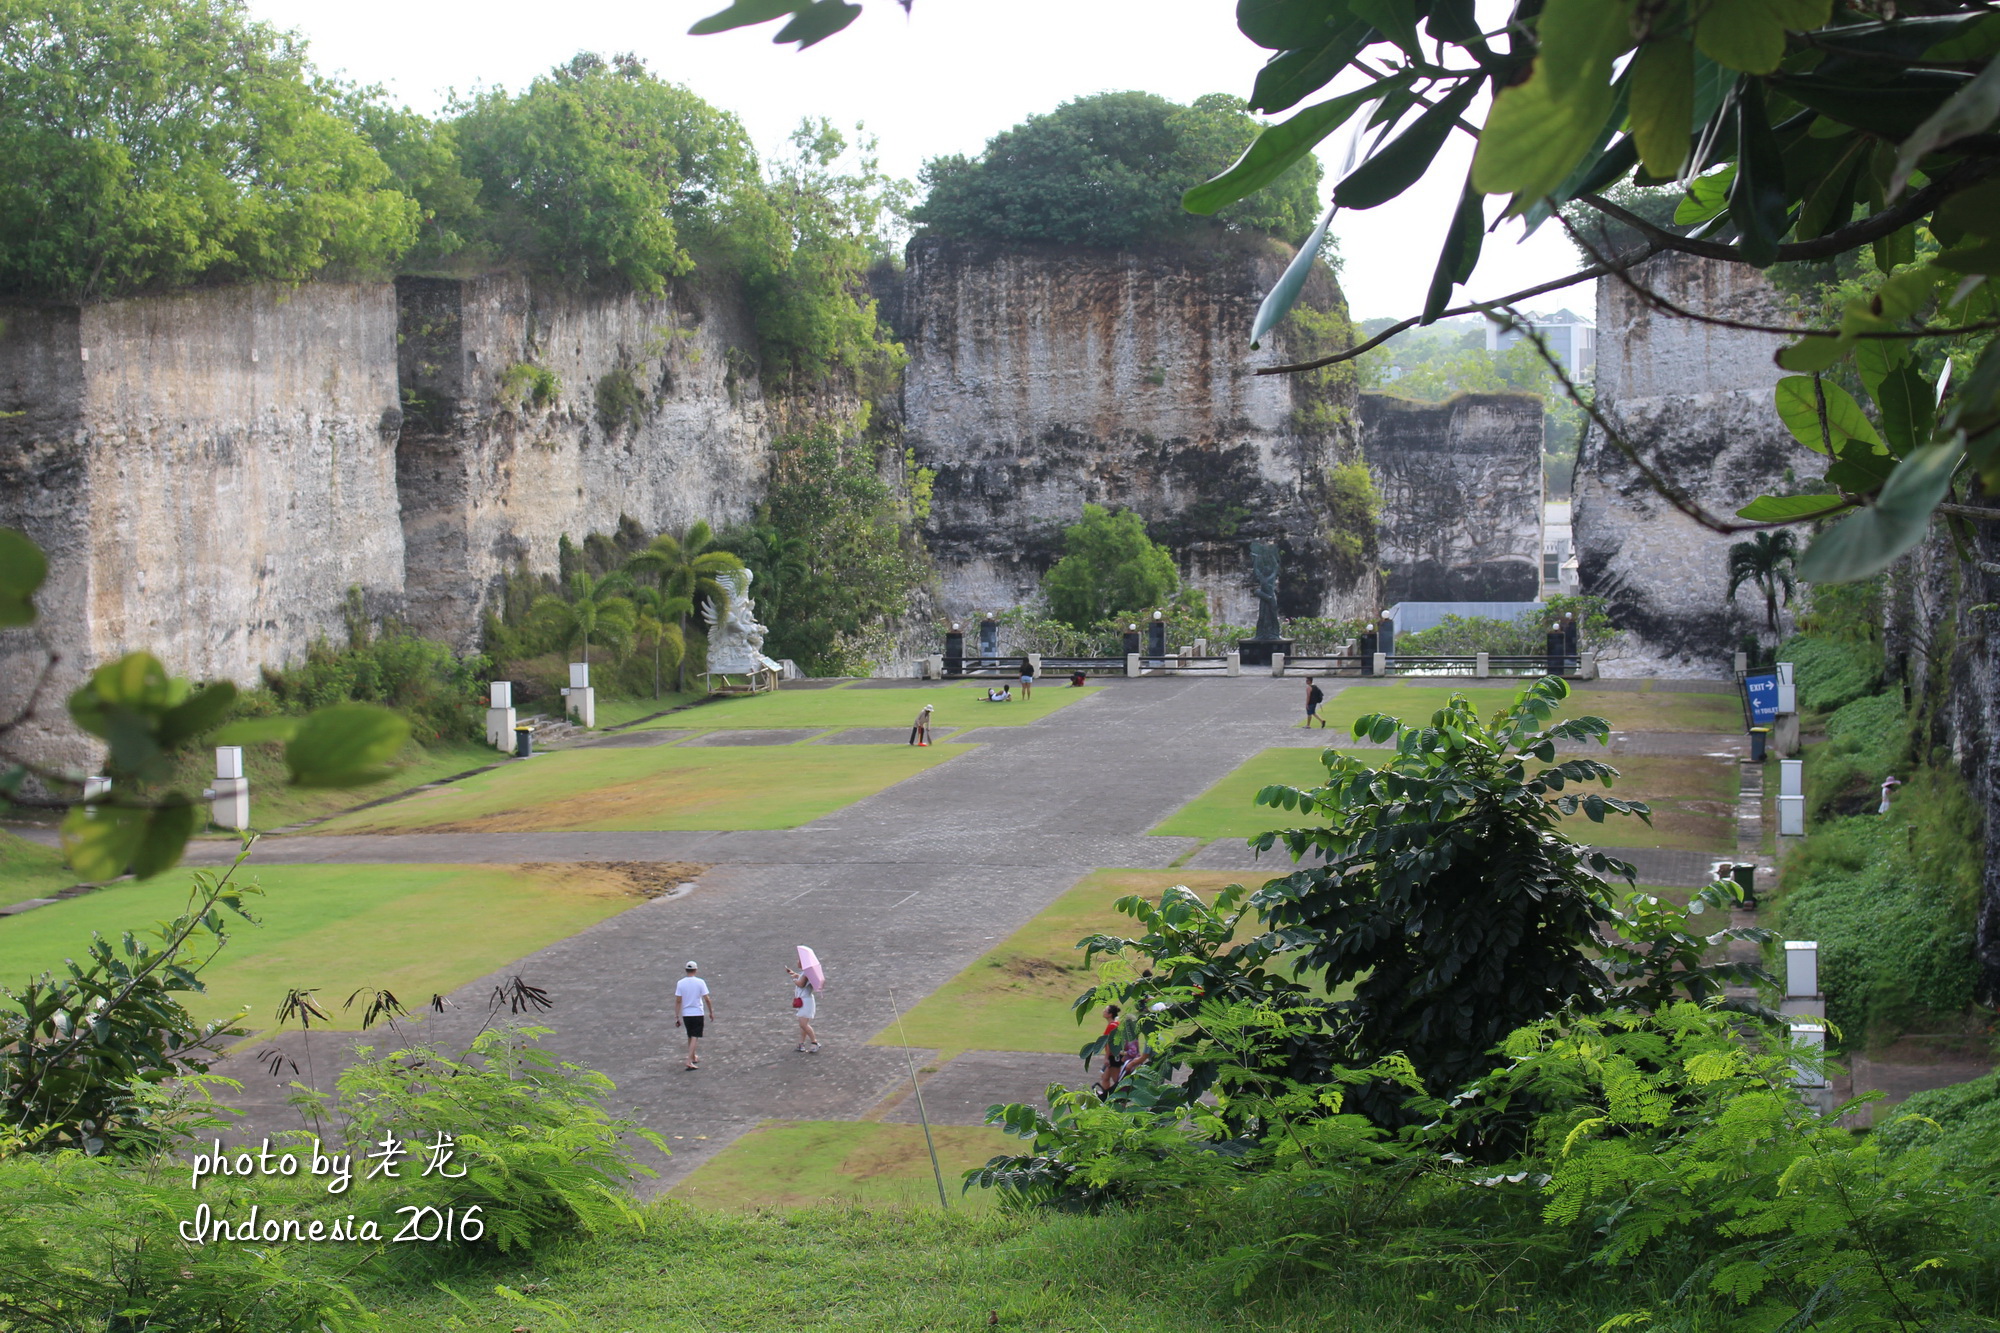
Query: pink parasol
x=809, y=964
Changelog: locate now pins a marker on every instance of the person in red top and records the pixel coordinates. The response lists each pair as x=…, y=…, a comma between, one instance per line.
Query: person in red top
x=1108, y=1079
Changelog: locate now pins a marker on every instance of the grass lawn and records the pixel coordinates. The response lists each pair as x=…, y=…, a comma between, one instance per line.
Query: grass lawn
x=957, y=705
x=274, y=805
x=617, y=712
x=1164, y=1269
x=1693, y=800
x=1625, y=710
x=29, y=870
x=1017, y=996
x=1229, y=809
x=413, y=930
x=654, y=789
x=810, y=1163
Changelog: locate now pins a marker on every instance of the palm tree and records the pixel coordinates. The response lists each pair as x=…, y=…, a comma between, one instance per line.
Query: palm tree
x=592, y=608
x=782, y=564
x=686, y=567
x=660, y=618
x=1766, y=563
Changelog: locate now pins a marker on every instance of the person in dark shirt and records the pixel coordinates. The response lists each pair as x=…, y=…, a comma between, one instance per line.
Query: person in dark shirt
x=1315, y=696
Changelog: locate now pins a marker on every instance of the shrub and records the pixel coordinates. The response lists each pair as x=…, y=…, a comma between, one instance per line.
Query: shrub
x=1464, y=635
x=621, y=403
x=527, y=384
x=1865, y=739
x=1890, y=900
x=422, y=679
x=81, y=1054
x=1831, y=672
x=89, y=1244
x=1964, y=1125
x=532, y=1147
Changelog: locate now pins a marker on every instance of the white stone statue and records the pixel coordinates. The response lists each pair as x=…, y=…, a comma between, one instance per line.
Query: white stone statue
x=735, y=639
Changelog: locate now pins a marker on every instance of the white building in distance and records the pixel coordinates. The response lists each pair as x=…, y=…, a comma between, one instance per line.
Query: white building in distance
x=1571, y=337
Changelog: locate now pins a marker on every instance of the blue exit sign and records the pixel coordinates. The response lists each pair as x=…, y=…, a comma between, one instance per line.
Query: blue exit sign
x=1762, y=692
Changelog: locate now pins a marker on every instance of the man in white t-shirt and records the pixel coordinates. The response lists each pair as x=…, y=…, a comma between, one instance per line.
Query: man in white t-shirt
x=692, y=1010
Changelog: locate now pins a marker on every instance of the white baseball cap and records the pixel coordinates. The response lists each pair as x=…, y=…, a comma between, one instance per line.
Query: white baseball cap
x=690, y=967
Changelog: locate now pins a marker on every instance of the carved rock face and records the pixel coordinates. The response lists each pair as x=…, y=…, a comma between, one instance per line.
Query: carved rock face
x=1042, y=378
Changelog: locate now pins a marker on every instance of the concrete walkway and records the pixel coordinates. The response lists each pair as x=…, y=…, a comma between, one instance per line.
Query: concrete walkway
x=897, y=892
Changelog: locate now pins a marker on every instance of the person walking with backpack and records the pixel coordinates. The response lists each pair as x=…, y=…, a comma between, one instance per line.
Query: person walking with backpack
x=692, y=1010
x=1315, y=696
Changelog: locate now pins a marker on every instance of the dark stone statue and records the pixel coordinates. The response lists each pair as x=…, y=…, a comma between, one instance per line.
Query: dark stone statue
x=1264, y=565
x=1257, y=650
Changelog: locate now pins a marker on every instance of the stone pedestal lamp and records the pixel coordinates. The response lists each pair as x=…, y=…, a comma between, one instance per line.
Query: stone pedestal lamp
x=580, y=700
x=500, y=715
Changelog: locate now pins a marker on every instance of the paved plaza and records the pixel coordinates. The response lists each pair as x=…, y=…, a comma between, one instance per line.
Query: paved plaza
x=898, y=893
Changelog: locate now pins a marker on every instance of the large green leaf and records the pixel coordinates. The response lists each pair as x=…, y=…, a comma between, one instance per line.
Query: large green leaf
x=1786, y=508
x=257, y=731
x=198, y=713
x=1578, y=41
x=1290, y=76
x=1814, y=352
x=1892, y=110
x=1707, y=197
x=1288, y=25
x=1799, y=400
x=107, y=841
x=23, y=567
x=1460, y=254
x=346, y=745
x=1866, y=543
x=1532, y=140
x=1274, y=151
x=1758, y=200
x=1908, y=404
x=817, y=21
x=1399, y=164
x=1284, y=294
x=1662, y=103
x=1970, y=110
x=1749, y=35
x=743, y=13
x=1394, y=19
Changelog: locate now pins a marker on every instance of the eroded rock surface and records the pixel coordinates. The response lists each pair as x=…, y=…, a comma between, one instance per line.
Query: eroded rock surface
x=1042, y=378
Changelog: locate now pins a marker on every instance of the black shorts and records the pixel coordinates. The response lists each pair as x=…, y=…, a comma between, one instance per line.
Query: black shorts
x=693, y=1022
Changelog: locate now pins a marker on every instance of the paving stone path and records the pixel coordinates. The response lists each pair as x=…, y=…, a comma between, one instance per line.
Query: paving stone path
x=897, y=892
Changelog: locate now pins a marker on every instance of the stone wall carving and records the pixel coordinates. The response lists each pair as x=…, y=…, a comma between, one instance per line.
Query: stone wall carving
x=1696, y=401
x=660, y=417
x=1461, y=487
x=1045, y=377
x=208, y=472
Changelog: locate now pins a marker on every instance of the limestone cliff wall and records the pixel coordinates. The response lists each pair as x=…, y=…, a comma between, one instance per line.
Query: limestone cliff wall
x=1461, y=487
x=1942, y=644
x=1696, y=400
x=659, y=417
x=208, y=472
x=1043, y=378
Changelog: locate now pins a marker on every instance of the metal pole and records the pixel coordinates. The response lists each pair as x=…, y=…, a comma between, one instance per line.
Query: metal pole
x=937, y=1172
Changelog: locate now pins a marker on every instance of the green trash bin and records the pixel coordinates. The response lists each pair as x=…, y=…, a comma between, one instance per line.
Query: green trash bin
x=524, y=739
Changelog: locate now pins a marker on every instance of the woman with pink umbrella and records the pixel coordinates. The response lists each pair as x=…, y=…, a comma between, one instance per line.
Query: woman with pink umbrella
x=808, y=980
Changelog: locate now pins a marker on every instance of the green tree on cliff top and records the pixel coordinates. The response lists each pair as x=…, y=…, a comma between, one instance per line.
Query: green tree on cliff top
x=1110, y=170
x=148, y=145
x=601, y=171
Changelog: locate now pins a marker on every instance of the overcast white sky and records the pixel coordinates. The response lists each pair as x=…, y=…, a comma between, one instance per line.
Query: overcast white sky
x=942, y=80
